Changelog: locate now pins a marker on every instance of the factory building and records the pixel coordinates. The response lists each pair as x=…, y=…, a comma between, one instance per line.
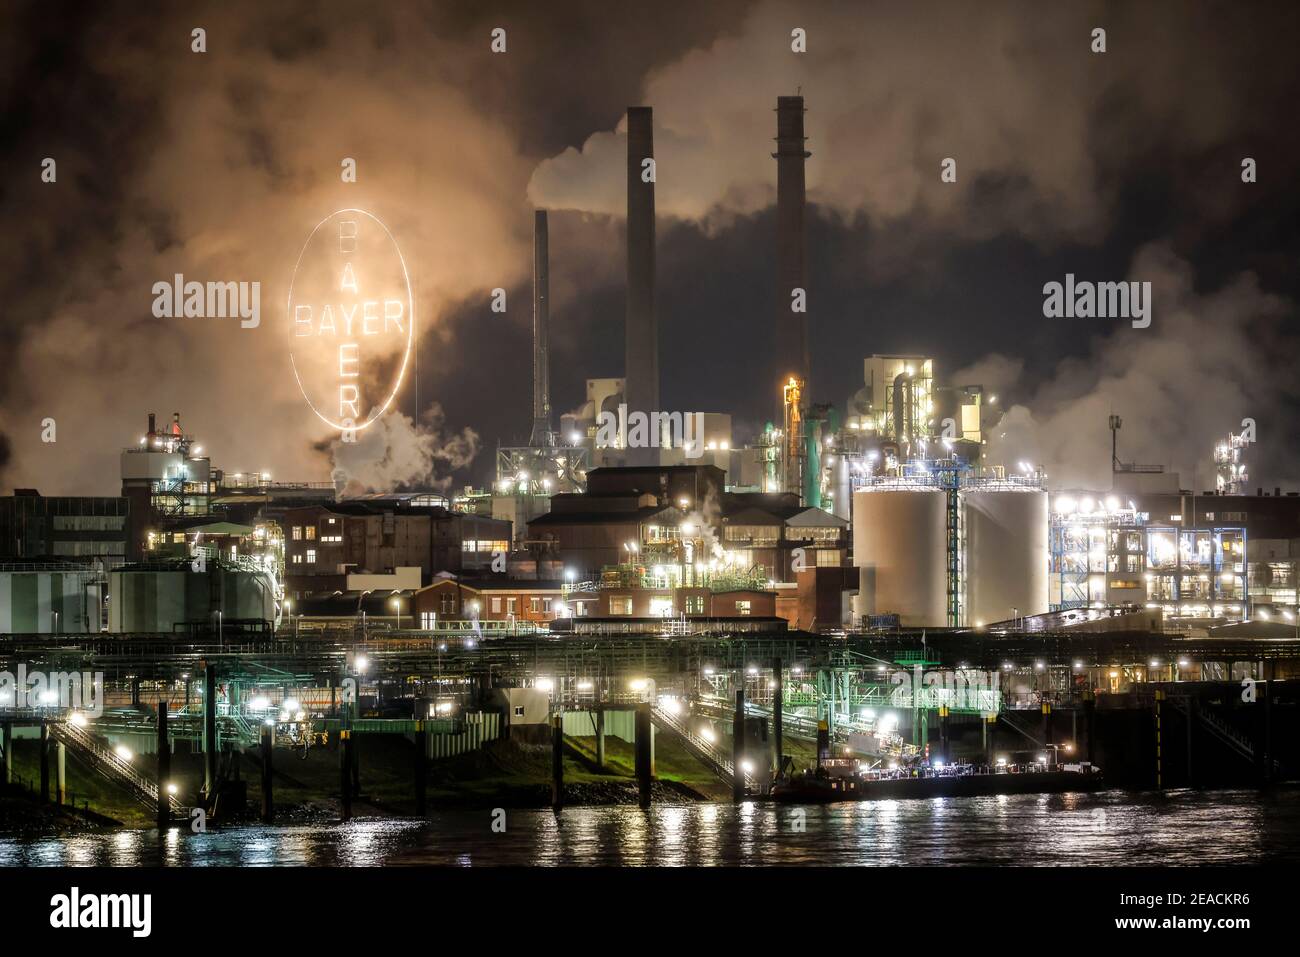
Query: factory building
x=681, y=517
x=34, y=527
x=171, y=485
x=499, y=600
x=1194, y=556
x=325, y=544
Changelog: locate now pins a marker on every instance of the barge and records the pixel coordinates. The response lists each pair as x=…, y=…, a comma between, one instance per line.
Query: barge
x=844, y=781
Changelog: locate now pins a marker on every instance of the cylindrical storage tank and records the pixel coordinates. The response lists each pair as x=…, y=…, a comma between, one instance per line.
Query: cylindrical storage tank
x=899, y=543
x=153, y=600
x=1006, y=558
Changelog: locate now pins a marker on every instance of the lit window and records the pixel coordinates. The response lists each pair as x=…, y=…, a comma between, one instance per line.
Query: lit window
x=742, y=607
x=311, y=532
x=620, y=606
x=534, y=604
x=311, y=556
x=496, y=604
x=297, y=533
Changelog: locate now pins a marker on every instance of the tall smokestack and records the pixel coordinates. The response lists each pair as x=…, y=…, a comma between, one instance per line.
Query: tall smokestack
x=541, y=332
x=791, y=325
x=641, y=365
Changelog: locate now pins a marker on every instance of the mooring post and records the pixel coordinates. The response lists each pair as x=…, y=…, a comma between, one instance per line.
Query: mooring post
x=738, y=748
x=354, y=763
x=557, y=762
x=7, y=742
x=990, y=724
x=164, y=768
x=1047, y=732
x=268, y=747
x=1268, y=670
x=778, y=709
x=61, y=773
x=421, y=768
x=642, y=743
x=943, y=734
x=211, y=746
x=1090, y=723
x=45, y=761
x=1156, y=706
x=345, y=772
x=600, y=736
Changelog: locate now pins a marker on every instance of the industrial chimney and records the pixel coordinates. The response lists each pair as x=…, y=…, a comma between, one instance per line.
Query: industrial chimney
x=541, y=332
x=792, y=326
x=794, y=366
x=641, y=367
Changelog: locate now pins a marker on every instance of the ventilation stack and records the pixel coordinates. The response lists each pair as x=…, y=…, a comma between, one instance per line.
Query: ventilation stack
x=542, y=434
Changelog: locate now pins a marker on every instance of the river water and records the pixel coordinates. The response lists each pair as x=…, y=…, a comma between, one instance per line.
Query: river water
x=1109, y=828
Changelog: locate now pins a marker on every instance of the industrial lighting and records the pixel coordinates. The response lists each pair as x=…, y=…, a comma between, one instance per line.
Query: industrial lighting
x=747, y=767
x=1002, y=761
x=78, y=719
x=290, y=704
x=171, y=789
x=707, y=734
x=937, y=765
x=637, y=684
x=259, y=704
x=123, y=752
x=584, y=685
x=544, y=684
x=362, y=663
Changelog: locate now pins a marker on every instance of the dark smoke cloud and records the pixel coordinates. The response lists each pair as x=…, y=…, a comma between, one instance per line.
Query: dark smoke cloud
x=218, y=165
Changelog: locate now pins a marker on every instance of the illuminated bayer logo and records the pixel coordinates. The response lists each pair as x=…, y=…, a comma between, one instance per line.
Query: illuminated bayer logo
x=351, y=319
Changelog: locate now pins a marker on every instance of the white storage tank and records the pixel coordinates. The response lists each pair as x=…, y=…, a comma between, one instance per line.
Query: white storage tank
x=1006, y=558
x=899, y=543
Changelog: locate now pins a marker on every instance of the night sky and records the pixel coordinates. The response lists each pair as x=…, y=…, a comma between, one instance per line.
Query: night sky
x=1112, y=166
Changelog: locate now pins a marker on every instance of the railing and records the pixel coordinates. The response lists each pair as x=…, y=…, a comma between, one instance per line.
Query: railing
x=112, y=766
x=705, y=750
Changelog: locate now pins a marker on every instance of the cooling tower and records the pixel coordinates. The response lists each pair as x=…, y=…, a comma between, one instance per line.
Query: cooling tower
x=899, y=538
x=1006, y=553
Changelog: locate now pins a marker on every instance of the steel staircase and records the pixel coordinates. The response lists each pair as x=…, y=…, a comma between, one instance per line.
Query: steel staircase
x=109, y=765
